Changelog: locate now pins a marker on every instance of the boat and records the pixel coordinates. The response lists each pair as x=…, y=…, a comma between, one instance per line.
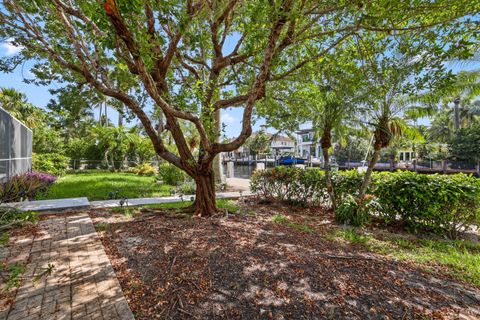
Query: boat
x=290, y=160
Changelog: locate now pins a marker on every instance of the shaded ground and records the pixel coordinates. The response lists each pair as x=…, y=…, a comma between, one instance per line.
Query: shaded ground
x=246, y=266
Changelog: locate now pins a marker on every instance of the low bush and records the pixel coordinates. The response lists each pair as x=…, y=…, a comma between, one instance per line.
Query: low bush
x=357, y=212
x=25, y=186
x=144, y=169
x=187, y=187
x=52, y=163
x=170, y=174
x=444, y=204
x=290, y=184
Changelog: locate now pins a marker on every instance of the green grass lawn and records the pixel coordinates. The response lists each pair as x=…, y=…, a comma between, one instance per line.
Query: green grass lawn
x=97, y=185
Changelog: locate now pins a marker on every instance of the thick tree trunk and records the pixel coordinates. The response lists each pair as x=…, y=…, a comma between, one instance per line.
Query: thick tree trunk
x=205, y=195
x=368, y=174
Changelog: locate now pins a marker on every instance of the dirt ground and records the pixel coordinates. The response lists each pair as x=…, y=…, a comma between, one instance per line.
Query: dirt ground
x=246, y=266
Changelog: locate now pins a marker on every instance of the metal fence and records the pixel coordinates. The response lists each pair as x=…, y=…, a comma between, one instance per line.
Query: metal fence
x=15, y=146
x=432, y=166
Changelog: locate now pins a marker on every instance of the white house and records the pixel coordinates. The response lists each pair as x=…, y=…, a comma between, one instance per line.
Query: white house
x=307, y=146
x=281, y=144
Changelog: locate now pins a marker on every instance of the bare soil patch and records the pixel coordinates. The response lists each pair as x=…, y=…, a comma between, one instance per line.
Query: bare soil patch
x=247, y=266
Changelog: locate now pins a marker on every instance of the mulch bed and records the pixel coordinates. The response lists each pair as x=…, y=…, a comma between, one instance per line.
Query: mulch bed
x=245, y=266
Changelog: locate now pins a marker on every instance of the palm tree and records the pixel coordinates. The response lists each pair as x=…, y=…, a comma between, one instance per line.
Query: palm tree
x=16, y=104
x=462, y=92
x=386, y=99
x=332, y=112
x=114, y=141
x=327, y=95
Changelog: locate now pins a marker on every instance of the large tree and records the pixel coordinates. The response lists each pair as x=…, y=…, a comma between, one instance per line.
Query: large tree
x=195, y=57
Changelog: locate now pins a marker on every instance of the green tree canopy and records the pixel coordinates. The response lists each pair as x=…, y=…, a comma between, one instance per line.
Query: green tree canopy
x=175, y=54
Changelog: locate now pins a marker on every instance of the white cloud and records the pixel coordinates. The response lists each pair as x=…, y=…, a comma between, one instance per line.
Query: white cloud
x=228, y=119
x=9, y=48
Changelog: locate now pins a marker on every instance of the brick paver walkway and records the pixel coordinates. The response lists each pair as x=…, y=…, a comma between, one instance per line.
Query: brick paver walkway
x=82, y=285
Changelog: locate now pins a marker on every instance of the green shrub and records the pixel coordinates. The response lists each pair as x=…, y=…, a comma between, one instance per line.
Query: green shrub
x=53, y=163
x=170, y=174
x=228, y=205
x=290, y=184
x=357, y=212
x=346, y=184
x=438, y=203
x=187, y=187
x=443, y=204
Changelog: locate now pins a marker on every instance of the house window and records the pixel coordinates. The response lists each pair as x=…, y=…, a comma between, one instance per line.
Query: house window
x=401, y=156
x=407, y=156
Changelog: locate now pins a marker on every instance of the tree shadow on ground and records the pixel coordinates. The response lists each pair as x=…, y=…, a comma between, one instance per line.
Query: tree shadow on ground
x=247, y=267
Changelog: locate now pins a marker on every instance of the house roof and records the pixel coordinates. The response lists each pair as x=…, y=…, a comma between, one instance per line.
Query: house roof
x=277, y=137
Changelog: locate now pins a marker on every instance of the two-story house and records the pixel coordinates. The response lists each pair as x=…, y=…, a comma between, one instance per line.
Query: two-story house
x=307, y=145
x=278, y=145
x=281, y=144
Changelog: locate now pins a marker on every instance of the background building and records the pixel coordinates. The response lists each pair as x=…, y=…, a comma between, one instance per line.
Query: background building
x=306, y=144
x=15, y=146
x=280, y=145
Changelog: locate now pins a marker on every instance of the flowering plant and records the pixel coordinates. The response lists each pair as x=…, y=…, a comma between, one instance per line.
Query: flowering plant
x=25, y=186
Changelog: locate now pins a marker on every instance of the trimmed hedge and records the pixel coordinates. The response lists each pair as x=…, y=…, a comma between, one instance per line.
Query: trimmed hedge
x=439, y=203
x=290, y=184
x=444, y=204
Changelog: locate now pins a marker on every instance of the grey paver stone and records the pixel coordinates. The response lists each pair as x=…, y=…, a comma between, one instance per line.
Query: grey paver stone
x=83, y=283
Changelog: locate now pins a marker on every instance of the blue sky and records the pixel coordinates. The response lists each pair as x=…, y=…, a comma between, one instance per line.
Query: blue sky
x=39, y=95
